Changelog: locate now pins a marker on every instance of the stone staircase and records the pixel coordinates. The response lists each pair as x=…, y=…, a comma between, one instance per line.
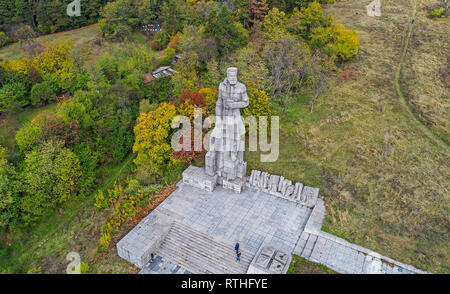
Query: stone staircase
x=200, y=253
x=305, y=245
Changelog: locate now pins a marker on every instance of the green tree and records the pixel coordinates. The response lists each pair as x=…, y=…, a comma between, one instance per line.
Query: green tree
x=253, y=71
x=12, y=97
x=4, y=39
x=118, y=19
x=274, y=23
x=42, y=93
x=50, y=176
x=8, y=190
x=29, y=137
x=174, y=15
x=228, y=35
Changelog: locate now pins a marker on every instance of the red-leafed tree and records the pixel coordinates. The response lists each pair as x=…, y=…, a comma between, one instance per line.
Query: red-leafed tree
x=54, y=127
x=187, y=156
x=193, y=96
x=259, y=9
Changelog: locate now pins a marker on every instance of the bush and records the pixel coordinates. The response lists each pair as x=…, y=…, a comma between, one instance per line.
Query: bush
x=438, y=12
x=12, y=97
x=169, y=54
x=100, y=200
x=84, y=268
x=42, y=93
x=160, y=40
x=105, y=200
x=29, y=137
x=345, y=43
x=4, y=39
x=105, y=241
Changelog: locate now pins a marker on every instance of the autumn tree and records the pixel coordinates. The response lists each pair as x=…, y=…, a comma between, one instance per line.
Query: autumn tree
x=211, y=96
x=344, y=43
x=152, y=143
x=259, y=106
x=259, y=9
x=188, y=101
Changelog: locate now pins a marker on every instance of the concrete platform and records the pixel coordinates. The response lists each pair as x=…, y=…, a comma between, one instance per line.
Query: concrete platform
x=194, y=231
x=250, y=218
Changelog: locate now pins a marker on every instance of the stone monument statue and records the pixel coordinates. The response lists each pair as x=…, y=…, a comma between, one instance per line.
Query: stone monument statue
x=225, y=158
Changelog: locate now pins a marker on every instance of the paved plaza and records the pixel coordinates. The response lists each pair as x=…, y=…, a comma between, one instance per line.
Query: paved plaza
x=194, y=231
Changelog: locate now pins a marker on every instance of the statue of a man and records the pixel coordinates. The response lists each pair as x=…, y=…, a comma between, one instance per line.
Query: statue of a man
x=226, y=155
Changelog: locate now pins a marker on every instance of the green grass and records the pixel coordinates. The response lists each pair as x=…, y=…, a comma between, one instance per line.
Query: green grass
x=26, y=116
x=139, y=38
x=384, y=181
x=78, y=36
x=300, y=265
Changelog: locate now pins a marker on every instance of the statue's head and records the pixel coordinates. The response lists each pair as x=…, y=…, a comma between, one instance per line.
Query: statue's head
x=232, y=75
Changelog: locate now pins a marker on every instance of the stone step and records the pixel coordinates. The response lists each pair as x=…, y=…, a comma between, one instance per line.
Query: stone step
x=198, y=260
x=200, y=253
x=200, y=243
x=301, y=243
x=225, y=248
x=219, y=249
x=200, y=264
x=307, y=250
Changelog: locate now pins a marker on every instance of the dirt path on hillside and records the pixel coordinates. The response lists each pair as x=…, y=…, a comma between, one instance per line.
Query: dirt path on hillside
x=398, y=88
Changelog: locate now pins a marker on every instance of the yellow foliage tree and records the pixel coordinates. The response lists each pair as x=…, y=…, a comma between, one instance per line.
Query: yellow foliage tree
x=55, y=59
x=345, y=43
x=259, y=104
x=152, y=132
x=211, y=96
x=19, y=65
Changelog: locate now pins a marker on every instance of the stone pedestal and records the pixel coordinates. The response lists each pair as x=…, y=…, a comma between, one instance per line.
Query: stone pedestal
x=196, y=177
x=234, y=185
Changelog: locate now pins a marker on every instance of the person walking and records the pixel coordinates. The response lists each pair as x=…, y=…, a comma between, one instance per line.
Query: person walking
x=236, y=247
x=238, y=257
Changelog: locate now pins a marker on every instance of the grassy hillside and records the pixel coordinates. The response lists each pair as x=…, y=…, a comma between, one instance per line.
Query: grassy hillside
x=383, y=175
x=423, y=81
x=79, y=36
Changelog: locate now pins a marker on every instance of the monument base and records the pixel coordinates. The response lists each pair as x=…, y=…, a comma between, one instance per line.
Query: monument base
x=196, y=177
x=234, y=185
